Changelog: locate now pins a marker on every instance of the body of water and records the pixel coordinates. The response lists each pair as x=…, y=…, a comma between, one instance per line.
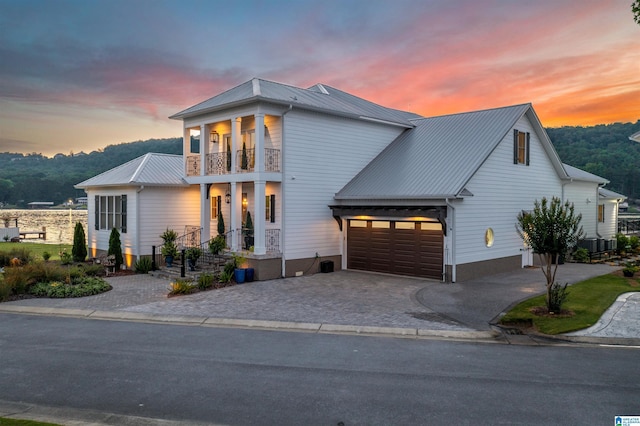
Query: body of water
x=59, y=223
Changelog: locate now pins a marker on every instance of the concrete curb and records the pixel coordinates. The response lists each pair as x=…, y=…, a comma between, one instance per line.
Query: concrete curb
x=254, y=324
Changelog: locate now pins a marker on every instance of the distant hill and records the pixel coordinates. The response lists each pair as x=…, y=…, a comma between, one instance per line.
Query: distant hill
x=604, y=150
x=33, y=177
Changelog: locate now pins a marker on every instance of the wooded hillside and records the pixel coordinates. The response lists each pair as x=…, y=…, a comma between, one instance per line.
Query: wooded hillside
x=604, y=150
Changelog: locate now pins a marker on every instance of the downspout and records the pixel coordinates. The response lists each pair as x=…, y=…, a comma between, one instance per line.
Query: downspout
x=597, y=210
x=138, y=221
x=453, y=243
x=282, y=196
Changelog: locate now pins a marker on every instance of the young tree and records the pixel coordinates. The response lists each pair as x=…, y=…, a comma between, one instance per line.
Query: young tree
x=551, y=230
x=115, y=247
x=220, y=223
x=635, y=8
x=79, y=250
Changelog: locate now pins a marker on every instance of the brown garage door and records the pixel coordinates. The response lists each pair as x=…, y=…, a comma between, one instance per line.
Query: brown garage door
x=395, y=247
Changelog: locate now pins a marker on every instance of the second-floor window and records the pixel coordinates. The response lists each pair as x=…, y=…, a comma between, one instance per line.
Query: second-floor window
x=521, y=142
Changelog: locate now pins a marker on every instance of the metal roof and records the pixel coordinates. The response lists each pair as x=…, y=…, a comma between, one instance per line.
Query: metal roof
x=318, y=98
x=437, y=157
x=151, y=169
x=578, y=174
x=607, y=193
x=635, y=137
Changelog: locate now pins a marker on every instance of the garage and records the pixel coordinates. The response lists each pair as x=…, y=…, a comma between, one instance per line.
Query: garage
x=395, y=247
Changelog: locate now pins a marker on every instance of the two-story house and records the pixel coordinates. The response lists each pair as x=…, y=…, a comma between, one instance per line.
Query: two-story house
x=328, y=176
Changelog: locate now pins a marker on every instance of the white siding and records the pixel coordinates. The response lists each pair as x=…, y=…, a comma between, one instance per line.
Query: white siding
x=501, y=190
x=162, y=208
x=578, y=193
x=99, y=239
x=609, y=227
x=321, y=154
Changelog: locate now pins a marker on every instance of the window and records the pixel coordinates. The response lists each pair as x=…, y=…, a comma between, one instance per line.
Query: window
x=521, y=147
x=600, y=212
x=270, y=208
x=215, y=207
x=111, y=212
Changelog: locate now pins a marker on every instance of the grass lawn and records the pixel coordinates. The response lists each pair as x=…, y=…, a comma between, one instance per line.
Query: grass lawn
x=17, y=422
x=37, y=249
x=587, y=301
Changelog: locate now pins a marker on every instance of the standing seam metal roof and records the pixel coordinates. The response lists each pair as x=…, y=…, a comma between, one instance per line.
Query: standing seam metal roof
x=438, y=156
x=319, y=97
x=150, y=169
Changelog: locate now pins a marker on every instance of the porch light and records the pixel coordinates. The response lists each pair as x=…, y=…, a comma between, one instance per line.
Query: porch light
x=244, y=201
x=214, y=137
x=227, y=196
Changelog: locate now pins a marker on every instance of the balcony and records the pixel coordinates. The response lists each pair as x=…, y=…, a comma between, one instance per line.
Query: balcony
x=219, y=163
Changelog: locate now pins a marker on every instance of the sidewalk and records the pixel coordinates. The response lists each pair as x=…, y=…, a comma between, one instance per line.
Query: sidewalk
x=344, y=301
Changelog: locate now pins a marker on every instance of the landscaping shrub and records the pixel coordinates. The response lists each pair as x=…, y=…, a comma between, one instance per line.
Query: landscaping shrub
x=182, y=287
x=143, y=265
x=622, y=242
x=557, y=296
x=46, y=256
x=634, y=242
x=205, y=281
x=581, y=255
x=22, y=254
x=79, y=250
x=84, y=286
x=5, y=289
x=93, y=270
x=66, y=258
x=17, y=280
x=115, y=247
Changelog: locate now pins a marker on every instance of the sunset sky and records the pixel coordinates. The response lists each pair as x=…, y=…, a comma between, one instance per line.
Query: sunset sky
x=78, y=75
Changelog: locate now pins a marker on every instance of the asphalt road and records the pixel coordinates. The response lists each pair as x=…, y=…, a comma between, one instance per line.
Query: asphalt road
x=248, y=377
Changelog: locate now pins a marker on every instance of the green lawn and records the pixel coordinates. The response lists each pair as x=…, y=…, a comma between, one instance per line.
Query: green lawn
x=17, y=422
x=37, y=249
x=587, y=300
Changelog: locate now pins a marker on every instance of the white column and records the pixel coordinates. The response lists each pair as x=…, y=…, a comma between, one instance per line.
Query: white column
x=236, y=141
x=205, y=213
x=259, y=148
x=204, y=148
x=186, y=139
x=260, y=218
x=236, y=216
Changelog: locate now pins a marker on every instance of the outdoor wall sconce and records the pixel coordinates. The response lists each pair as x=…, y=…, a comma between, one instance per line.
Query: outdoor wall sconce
x=214, y=137
x=227, y=196
x=245, y=202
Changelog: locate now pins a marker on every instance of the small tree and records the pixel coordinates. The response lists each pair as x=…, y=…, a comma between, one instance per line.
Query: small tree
x=551, y=230
x=115, y=247
x=220, y=223
x=245, y=162
x=79, y=250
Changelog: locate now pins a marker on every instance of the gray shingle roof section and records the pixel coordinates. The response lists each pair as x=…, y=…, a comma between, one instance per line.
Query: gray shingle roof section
x=151, y=169
x=578, y=174
x=438, y=156
x=317, y=98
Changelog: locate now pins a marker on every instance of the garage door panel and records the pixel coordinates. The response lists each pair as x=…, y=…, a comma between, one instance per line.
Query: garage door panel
x=412, y=249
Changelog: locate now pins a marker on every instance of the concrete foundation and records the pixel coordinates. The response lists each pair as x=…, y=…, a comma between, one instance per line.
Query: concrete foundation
x=468, y=271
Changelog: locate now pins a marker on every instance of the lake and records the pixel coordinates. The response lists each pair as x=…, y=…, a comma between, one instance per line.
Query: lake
x=59, y=223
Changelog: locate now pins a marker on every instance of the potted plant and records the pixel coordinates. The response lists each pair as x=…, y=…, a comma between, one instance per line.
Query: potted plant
x=239, y=270
x=217, y=245
x=169, y=248
x=193, y=254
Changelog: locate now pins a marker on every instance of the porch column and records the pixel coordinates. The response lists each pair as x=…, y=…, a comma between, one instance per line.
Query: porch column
x=259, y=148
x=186, y=141
x=236, y=216
x=205, y=212
x=236, y=141
x=259, y=190
x=204, y=148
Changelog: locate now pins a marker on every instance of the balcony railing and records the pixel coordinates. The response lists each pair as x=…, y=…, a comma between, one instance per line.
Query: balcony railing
x=193, y=165
x=219, y=163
